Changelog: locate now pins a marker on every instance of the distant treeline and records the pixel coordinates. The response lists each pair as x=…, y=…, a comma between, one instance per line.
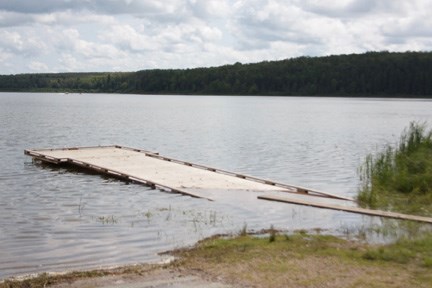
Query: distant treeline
x=407, y=74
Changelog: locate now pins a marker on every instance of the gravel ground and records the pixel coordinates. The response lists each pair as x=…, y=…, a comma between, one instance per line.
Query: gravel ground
x=159, y=278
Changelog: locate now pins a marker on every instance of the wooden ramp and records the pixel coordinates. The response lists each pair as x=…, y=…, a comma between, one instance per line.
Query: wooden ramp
x=357, y=210
x=162, y=172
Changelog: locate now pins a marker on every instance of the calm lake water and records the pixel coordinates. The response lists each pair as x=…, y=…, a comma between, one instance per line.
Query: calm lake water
x=53, y=219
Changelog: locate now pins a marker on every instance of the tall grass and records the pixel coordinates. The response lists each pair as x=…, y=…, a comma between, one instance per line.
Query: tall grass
x=400, y=178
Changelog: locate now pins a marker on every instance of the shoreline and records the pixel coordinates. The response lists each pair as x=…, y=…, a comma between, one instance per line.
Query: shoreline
x=300, y=259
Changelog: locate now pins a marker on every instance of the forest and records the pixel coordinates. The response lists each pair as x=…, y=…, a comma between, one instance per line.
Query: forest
x=371, y=74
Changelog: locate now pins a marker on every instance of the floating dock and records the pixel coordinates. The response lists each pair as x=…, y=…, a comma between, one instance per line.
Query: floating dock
x=177, y=176
x=162, y=172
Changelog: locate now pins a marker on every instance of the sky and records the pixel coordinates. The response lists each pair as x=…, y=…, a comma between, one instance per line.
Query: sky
x=39, y=36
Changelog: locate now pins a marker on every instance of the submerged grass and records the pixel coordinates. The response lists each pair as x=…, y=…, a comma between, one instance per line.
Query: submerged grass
x=400, y=178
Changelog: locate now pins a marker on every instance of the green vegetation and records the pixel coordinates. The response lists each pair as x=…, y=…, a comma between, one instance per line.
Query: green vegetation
x=406, y=74
x=273, y=234
x=69, y=82
x=243, y=231
x=400, y=178
x=305, y=260
x=404, y=251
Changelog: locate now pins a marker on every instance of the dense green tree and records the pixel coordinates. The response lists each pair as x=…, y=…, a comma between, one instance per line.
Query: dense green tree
x=407, y=74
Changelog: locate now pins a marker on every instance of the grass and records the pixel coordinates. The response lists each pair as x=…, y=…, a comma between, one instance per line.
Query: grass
x=417, y=251
x=400, y=178
x=305, y=260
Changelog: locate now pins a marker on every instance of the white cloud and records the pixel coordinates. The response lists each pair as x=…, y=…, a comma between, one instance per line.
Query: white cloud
x=128, y=38
x=20, y=43
x=4, y=56
x=71, y=18
x=38, y=66
x=409, y=27
x=128, y=35
x=68, y=62
x=11, y=41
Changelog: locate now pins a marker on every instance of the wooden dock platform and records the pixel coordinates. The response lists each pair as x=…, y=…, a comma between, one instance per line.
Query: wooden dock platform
x=162, y=172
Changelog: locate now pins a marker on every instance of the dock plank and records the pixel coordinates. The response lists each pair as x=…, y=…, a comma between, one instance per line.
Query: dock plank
x=357, y=210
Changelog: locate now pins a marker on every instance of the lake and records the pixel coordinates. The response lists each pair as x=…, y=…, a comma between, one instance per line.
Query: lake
x=55, y=219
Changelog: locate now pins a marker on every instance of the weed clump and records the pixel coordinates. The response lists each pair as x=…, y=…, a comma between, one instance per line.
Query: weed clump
x=400, y=178
x=272, y=234
x=243, y=232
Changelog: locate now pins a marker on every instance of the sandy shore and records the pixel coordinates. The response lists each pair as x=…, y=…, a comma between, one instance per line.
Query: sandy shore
x=157, y=278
